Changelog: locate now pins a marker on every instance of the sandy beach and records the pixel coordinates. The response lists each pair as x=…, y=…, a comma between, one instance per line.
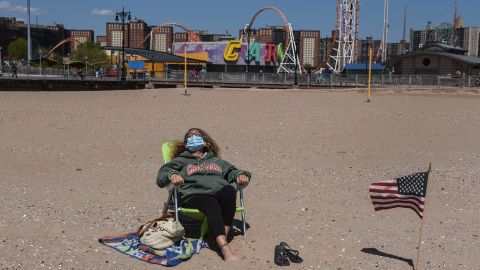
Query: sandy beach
x=76, y=166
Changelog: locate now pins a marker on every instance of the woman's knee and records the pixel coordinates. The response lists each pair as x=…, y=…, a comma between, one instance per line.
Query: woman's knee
x=229, y=192
x=204, y=203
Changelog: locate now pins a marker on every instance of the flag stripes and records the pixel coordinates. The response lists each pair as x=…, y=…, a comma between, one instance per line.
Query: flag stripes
x=386, y=195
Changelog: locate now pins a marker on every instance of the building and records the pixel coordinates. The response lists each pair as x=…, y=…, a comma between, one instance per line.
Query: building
x=102, y=41
x=116, y=33
x=309, y=49
x=180, y=37
x=43, y=37
x=80, y=36
x=137, y=32
x=272, y=34
x=215, y=37
x=279, y=35
x=457, y=35
x=436, y=59
x=161, y=39
x=264, y=35
x=468, y=38
x=420, y=38
x=133, y=33
x=326, y=48
x=395, y=49
x=365, y=44
x=441, y=33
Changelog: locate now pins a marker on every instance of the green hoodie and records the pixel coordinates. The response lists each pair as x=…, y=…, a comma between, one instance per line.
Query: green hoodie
x=206, y=175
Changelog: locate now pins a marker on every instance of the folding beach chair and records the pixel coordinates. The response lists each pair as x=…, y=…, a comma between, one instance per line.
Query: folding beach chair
x=172, y=203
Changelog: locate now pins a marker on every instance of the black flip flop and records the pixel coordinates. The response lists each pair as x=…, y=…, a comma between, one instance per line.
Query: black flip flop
x=293, y=255
x=280, y=256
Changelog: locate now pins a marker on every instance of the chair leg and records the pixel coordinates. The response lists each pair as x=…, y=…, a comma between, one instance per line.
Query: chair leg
x=175, y=194
x=244, y=220
x=203, y=228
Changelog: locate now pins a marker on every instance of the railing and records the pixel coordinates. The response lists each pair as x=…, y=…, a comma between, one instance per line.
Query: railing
x=256, y=79
x=304, y=80
x=34, y=73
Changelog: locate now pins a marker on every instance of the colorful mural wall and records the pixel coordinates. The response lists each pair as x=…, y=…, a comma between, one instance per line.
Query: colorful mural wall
x=232, y=52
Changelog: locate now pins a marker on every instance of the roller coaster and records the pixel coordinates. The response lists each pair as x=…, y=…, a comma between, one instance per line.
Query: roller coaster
x=341, y=50
x=192, y=36
x=344, y=40
x=290, y=61
x=49, y=53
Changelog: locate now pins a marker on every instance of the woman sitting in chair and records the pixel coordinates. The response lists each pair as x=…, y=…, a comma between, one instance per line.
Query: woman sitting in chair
x=204, y=182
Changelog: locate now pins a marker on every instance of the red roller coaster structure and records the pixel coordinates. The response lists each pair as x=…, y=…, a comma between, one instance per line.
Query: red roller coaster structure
x=274, y=9
x=192, y=36
x=63, y=41
x=290, y=61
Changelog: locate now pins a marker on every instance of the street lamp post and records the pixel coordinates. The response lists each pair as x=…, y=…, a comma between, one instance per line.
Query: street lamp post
x=121, y=16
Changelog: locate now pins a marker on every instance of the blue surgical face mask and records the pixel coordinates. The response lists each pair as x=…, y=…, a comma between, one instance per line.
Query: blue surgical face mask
x=195, y=143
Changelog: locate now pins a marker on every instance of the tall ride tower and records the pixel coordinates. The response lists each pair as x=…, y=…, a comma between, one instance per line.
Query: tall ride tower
x=348, y=12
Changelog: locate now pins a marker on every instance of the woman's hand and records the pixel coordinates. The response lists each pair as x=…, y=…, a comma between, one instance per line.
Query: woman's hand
x=176, y=179
x=243, y=180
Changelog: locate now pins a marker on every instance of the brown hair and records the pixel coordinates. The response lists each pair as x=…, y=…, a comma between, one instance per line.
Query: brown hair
x=210, y=143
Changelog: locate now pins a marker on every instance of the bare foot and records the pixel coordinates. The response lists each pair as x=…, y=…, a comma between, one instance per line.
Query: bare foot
x=228, y=254
x=231, y=258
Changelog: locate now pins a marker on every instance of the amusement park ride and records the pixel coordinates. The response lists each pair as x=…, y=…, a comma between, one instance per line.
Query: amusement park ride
x=345, y=35
x=290, y=61
x=192, y=36
x=342, y=49
x=49, y=53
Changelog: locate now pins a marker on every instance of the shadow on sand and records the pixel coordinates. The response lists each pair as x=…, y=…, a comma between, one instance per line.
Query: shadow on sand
x=375, y=251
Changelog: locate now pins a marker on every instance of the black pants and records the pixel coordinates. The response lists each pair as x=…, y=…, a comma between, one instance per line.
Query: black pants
x=219, y=208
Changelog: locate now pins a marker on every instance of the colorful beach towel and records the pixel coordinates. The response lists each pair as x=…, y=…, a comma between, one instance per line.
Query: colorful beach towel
x=129, y=244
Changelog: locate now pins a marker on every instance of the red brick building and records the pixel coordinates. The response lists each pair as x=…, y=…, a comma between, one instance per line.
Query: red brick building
x=102, y=41
x=81, y=36
x=162, y=39
x=137, y=32
x=115, y=34
x=309, y=49
x=180, y=37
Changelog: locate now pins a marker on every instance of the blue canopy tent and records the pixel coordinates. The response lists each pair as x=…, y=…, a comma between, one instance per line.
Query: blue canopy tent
x=362, y=69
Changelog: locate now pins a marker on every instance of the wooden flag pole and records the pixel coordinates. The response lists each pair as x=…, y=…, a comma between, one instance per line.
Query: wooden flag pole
x=417, y=262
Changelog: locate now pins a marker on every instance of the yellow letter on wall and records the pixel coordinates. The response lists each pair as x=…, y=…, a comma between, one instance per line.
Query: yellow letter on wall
x=231, y=51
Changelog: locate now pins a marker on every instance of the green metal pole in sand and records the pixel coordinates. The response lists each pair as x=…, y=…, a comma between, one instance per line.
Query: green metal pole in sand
x=369, y=72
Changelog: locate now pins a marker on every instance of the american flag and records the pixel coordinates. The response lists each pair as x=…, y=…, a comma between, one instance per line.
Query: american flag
x=407, y=192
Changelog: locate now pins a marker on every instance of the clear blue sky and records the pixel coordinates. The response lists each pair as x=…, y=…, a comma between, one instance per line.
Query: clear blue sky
x=217, y=16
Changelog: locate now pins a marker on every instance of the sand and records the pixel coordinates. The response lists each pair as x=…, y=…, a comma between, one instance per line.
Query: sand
x=75, y=166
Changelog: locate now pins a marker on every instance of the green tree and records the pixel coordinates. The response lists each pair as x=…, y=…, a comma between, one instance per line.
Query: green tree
x=17, y=50
x=91, y=52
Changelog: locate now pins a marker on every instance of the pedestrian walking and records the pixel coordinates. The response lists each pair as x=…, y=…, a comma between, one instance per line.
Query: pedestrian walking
x=14, y=71
x=81, y=74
